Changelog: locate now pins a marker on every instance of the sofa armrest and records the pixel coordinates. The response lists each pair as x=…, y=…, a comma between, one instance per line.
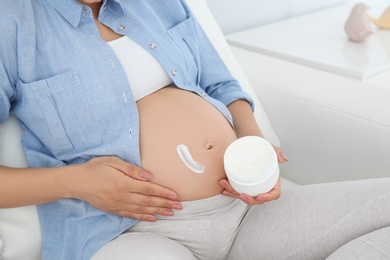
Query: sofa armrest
x=332, y=128
x=20, y=233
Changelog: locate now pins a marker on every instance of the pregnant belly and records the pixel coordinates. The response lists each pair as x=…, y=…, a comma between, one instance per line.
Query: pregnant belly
x=182, y=140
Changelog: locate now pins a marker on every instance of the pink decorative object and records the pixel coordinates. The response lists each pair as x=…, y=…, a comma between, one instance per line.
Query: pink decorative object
x=357, y=25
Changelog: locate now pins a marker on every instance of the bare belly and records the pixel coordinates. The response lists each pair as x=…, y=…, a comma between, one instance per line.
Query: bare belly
x=170, y=117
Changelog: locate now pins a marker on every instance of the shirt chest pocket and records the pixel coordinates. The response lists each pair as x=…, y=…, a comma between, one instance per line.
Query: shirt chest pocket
x=65, y=116
x=185, y=38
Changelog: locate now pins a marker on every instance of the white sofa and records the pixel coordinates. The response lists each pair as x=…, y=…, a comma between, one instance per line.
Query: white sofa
x=307, y=127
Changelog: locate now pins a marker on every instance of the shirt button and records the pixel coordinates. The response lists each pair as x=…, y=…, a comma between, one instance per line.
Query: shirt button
x=230, y=117
x=152, y=46
x=124, y=97
x=203, y=94
x=112, y=63
x=174, y=72
x=85, y=9
x=131, y=133
x=121, y=27
x=104, y=7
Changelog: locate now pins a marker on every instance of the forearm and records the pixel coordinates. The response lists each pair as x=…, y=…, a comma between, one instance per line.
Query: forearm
x=245, y=125
x=243, y=120
x=30, y=186
x=107, y=183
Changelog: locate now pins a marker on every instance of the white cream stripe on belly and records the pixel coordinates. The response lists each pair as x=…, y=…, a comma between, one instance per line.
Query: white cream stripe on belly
x=185, y=156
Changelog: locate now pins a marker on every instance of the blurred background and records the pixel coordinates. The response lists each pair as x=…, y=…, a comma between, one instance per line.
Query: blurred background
x=236, y=15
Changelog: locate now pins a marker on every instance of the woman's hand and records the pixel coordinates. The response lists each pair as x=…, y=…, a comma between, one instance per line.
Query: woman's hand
x=117, y=187
x=273, y=194
x=282, y=158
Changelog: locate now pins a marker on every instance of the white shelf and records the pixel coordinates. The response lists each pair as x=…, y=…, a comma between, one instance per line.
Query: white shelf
x=318, y=40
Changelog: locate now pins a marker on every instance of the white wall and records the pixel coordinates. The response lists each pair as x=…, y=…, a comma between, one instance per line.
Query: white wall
x=235, y=15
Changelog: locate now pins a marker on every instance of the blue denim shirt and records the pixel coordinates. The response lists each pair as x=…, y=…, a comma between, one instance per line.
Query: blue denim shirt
x=72, y=97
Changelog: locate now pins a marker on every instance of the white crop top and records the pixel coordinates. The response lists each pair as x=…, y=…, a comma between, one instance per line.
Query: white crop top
x=144, y=73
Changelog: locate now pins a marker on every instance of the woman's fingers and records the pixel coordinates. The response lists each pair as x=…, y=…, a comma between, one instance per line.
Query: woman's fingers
x=151, y=189
x=142, y=203
x=142, y=199
x=228, y=189
x=137, y=173
x=144, y=206
x=282, y=158
x=144, y=217
x=274, y=194
x=130, y=170
x=107, y=183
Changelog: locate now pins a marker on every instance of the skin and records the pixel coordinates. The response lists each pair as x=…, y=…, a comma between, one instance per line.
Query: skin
x=109, y=183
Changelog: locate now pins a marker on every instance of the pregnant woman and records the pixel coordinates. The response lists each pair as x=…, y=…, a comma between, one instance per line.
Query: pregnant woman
x=127, y=111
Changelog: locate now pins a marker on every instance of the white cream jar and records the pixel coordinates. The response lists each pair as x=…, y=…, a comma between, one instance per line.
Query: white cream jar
x=251, y=165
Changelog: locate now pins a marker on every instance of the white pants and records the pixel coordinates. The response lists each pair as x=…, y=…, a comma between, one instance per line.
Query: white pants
x=346, y=220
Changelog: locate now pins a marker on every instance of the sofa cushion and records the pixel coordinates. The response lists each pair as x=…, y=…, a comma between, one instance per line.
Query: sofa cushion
x=374, y=245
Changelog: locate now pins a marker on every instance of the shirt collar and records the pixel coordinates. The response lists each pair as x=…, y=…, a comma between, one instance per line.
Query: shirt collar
x=71, y=9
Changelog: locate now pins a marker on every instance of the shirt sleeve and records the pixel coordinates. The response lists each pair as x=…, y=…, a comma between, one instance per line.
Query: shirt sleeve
x=8, y=65
x=215, y=77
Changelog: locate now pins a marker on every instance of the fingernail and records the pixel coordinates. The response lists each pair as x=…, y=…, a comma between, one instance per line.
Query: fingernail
x=284, y=156
x=173, y=197
x=223, y=184
x=168, y=212
x=243, y=198
x=144, y=174
x=151, y=218
x=177, y=206
x=261, y=198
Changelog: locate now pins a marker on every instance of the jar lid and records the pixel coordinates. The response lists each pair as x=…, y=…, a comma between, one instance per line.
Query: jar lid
x=250, y=159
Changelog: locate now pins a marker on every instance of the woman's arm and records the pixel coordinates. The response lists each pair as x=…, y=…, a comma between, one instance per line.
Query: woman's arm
x=246, y=125
x=243, y=119
x=107, y=183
